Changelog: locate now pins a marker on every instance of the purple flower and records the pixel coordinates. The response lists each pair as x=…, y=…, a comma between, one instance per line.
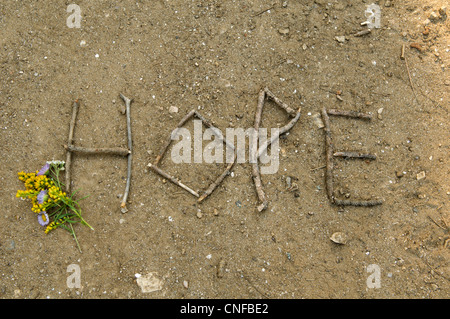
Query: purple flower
x=43, y=218
x=44, y=169
x=42, y=196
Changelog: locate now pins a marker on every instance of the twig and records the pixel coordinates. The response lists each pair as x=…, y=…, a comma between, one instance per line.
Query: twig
x=110, y=151
x=402, y=52
x=363, y=32
x=255, y=168
x=215, y=130
x=263, y=11
x=353, y=114
x=364, y=203
x=410, y=80
x=75, y=108
x=315, y=169
x=355, y=155
x=281, y=131
x=440, y=226
x=172, y=179
x=219, y=180
x=329, y=155
x=281, y=104
x=169, y=140
x=123, y=205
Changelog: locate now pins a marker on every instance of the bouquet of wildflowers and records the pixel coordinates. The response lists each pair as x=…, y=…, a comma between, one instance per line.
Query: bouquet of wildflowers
x=54, y=208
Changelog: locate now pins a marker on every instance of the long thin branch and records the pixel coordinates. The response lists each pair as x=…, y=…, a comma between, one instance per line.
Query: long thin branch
x=169, y=140
x=329, y=155
x=127, y=101
x=255, y=167
x=353, y=114
x=410, y=80
x=281, y=131
x=355, y=155
x=280, y=103
x=219, y=180
x=75, y=107
x=363, y=203
x=103, y=150
x=172, y=179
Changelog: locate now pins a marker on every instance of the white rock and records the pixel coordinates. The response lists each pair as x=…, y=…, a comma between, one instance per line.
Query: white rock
x=149, y=282
x=340, y=38
x=173, y=109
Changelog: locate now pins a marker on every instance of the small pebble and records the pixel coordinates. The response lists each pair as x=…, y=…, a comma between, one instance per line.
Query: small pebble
x=339, y=238
x=199, y=214
x=283, y=31
x=421, y=175
x=340, y=38
x=173, y=109
x=186, y=284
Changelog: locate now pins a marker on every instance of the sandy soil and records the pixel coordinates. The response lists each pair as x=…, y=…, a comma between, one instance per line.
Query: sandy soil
x=215, y=56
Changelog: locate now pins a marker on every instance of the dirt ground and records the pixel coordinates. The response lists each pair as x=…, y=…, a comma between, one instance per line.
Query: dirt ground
x=215, y=56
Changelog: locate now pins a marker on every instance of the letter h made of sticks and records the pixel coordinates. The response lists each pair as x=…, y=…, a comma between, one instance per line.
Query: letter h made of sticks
x=126, y=152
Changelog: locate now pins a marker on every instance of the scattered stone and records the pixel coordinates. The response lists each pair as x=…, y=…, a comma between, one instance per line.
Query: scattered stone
x=216, y=212
x=399, y=174
x=149, y=282
x=317, y=118
x=387, y=3
x=447, y=82
x=283, y=31
x=339, y=238
x=434, y=17
x=12, y=245
x=380, y=110
x=421, y=175
x=199, y=215
x=416, y=46
x=340, y=38
x=221, y=268
x=186, y=284
x=173, y=109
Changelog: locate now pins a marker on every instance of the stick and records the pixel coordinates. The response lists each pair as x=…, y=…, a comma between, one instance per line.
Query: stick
x=402, y=52
x=169, y=140
x=216, y=131
x=123, y=205
x=172, y=179
x=255, y=168
x=110, y=151
x=410, y=81
x=280, y=103
x=355, y=155
x=329, y=155
x=353, y=114
x=262, y=11
x=75, y=108
x=281, y=131
x=364, y=203
x=363, y=32
x=219, y=180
